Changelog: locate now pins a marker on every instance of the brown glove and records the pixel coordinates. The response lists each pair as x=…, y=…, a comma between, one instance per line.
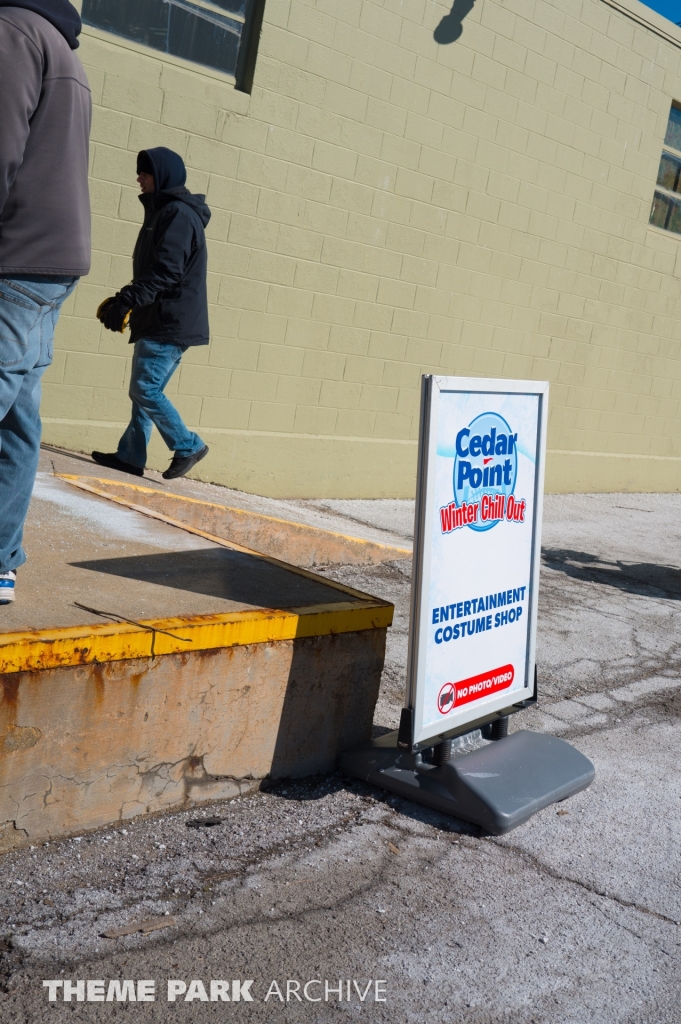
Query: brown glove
x=114, y=314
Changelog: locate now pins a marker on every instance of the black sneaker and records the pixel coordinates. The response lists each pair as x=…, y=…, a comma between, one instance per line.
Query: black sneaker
x=111, y=461
x=178, y=467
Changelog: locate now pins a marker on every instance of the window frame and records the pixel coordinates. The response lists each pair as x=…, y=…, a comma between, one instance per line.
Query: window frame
x=661, y=189
x=241, y=82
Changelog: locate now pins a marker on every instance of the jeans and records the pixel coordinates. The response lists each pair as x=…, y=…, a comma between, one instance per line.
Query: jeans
x=153, y=364
x=29, y=310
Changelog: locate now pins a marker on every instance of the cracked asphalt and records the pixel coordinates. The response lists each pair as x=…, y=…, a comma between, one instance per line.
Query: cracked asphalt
x=573, y=917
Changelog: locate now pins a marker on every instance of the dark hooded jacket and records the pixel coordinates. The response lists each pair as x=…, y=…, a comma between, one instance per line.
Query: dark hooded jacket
x=168, y=293
x=44, y=132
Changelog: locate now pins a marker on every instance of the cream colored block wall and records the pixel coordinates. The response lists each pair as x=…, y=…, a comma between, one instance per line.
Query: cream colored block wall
x=384, y=206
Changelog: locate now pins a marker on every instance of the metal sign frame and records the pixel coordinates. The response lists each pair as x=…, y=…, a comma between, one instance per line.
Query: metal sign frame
x=412, y=734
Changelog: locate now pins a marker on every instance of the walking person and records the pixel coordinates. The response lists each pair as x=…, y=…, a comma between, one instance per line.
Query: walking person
x=167, y=306
x=45, y=109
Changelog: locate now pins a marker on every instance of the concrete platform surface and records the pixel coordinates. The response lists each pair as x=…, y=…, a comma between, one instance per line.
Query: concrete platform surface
x=574, y=918
x=87, y=550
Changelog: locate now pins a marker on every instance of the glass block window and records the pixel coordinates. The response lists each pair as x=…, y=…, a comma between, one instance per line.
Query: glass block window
x=215, y=34
x=666, y=209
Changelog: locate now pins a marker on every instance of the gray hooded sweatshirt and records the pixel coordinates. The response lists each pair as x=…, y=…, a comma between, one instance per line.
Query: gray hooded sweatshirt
x=45, y=109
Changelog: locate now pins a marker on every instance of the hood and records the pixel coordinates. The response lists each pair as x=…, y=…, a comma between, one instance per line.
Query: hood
x=169, y=169
x=170, y=175
x=59, y=13
x=197, y=203
x=155, y=200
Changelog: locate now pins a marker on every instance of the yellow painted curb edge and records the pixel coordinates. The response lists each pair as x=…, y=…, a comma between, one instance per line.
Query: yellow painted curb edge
x=359, y=542
x=118, y=641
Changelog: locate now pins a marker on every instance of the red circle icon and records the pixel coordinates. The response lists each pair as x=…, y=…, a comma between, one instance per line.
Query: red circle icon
x=446, y=698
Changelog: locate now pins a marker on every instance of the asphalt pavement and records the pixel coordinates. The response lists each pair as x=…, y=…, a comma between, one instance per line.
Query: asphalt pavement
x=385, y=911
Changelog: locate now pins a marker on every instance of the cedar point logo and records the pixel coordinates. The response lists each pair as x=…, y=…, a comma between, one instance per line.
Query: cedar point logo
x=485, y=473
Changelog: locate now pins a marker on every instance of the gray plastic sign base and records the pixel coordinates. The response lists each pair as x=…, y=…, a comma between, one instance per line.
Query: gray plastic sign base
x=498, y=787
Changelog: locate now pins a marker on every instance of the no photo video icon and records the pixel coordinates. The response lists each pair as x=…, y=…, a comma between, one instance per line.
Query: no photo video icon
x=446, y=698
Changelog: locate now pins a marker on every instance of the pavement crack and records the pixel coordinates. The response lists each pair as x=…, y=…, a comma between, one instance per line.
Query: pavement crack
x=546, y=869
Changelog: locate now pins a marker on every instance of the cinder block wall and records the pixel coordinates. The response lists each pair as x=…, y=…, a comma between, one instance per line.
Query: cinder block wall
x=385, y=206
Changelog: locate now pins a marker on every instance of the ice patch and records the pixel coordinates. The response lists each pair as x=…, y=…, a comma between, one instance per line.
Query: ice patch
x=113, y=520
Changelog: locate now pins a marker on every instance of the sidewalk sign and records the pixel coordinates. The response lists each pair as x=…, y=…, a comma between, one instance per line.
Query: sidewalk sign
x=476, y=551
x=473, y=624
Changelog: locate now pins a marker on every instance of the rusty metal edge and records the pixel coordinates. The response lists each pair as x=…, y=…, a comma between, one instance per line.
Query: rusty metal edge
x=39, y=649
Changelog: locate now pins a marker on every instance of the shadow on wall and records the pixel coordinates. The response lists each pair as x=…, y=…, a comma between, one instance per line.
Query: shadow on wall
x=329, y=704
x=644, y=578
x=451, y=26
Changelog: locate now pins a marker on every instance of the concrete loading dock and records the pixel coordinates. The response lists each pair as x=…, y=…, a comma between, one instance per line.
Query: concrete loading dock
x=144, y=668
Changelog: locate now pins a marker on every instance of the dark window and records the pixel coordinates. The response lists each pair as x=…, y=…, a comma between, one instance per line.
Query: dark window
x=668, y=174
x=666, y=212
x=673, y=136
x=220, y=34
x=666, y=209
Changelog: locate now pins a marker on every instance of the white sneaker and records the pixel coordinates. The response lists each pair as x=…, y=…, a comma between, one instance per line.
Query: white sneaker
x=7, y=581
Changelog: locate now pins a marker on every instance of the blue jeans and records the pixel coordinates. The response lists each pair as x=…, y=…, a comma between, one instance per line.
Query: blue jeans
x=29, y=310
x=153, y=364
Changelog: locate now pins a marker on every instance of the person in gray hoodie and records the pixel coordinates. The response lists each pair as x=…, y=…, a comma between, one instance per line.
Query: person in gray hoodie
x=45, y=110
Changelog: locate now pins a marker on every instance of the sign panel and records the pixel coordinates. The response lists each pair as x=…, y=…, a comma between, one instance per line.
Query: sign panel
x=476, y=550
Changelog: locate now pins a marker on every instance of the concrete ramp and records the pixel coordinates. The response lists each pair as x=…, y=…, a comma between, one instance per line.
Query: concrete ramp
x=146, y=667
x=296, y=543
